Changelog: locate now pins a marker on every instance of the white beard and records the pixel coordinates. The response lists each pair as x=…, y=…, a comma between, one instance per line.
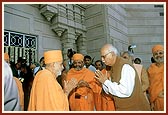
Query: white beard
x=59, y=73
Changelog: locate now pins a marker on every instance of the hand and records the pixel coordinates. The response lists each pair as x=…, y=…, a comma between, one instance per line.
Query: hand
x=100, y=76
x=70, y=85
x=82, y=83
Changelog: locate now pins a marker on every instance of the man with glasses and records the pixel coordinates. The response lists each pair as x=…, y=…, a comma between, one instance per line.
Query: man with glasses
x=156, y=79
x=124, y=84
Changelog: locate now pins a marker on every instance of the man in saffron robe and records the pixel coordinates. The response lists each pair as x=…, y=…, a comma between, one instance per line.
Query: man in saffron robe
x=103, y=102
x=156, y=79
x=81, y=99
x=97, y=96
x=46, y=93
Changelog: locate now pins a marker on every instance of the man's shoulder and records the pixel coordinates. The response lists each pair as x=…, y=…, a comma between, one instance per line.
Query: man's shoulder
x=43, y=74
x=151, y=66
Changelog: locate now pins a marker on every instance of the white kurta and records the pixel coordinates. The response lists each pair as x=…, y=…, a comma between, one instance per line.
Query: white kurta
x=126, y=84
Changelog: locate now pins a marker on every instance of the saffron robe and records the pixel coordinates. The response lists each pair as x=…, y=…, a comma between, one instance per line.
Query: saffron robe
x=103, y=101
x=107, y=102
x=156, y=80
x=82, y=99
x=47, y=94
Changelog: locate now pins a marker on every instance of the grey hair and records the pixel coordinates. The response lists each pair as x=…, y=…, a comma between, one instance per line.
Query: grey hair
x=113, y=49
x=128, y=52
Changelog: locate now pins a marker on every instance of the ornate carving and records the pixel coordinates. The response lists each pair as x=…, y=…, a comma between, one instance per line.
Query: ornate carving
x=59, y=31
x=48, y=11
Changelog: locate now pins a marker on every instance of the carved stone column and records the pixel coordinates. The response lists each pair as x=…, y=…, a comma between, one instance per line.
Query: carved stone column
x=68, y=41
x=81, y=44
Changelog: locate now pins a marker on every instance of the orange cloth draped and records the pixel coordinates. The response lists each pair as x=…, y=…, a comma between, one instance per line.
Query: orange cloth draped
x=107, y=101
x=156, y=79
x=97, y=101
x=21, y=93
x=47, y=94
x=82, y=98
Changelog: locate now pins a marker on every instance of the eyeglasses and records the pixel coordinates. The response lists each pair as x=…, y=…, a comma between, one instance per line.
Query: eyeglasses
x=104, y=56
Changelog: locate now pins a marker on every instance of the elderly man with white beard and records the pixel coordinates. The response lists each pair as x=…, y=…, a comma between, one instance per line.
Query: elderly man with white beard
x=156, y=79
x=46, y=93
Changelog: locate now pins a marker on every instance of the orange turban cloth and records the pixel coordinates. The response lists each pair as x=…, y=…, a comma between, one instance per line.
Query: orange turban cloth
x=52, y=56
x=78, y=57
x=6, y=56
x=157, y=47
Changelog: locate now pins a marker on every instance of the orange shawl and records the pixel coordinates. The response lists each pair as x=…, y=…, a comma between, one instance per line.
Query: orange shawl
x=47, y=94
x=107, y=100
x=156, y=79
x=86, y=101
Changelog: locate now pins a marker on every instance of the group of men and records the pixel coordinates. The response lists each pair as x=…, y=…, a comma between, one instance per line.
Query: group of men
x=114, y=88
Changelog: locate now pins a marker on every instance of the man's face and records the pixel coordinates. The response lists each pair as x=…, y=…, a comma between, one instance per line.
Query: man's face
x=127, y=57
x=107, y=57
x=58, y=68
x=159, y=56
x=78, y=65
x=18, y=65
x=98, y=65
x=87, y=61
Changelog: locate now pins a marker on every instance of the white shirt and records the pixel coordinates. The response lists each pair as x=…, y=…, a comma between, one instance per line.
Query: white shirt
x=126, y=83
x=36, y=69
